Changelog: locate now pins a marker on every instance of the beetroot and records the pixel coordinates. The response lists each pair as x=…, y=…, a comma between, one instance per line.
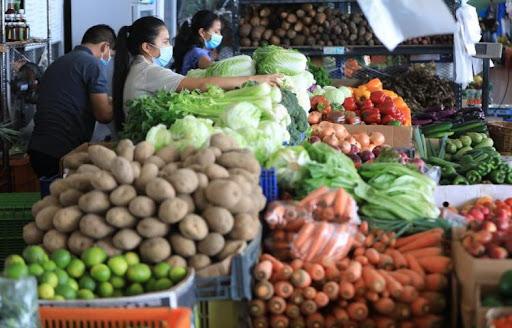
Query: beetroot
x=355, y=150
x=314, y=139
x=356, y=159
x=377, y=150
x=366, y=156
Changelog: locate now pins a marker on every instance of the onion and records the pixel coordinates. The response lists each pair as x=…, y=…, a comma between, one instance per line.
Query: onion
x=317, y=130
x=331, y=140
x=340, y=131
x=314, y=117
x=377, y=138
x=370, y=147
x=351, y=140
x=325, y=124
x=362, y=138
x=328, y=131
x=345, y=147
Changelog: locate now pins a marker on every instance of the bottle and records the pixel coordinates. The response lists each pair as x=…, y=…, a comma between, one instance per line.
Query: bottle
x=23, y=25
x=11, y=8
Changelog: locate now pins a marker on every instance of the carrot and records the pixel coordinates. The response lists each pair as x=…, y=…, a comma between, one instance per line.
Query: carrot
x=298, y=323
x=264, y=290
x=308, y=307
x=321, y=299
x=359, y=251
x=436, y=282
x=420, y=307
x=327, y=214
x=316, y=271
x=436, y=264
x=357, y=311
x=369, y=241
x=416, y=279
x=412, y=238
x=427, y=251
x=373, y=256
x=276, y=264
x=401, y=311
x=371, y=296
x=327, y=199
x=368, y=323
x=351, y=324
x=429, y=321
x=292, y=311
x=257, y=308
x=332, y=289
x=279, y=321
x=414, y=265
x=360, y=287
x=300, y=278
x=398, y=259
x=359, y=239
x=344, y=264
x=409, y=294
x=340, y=203
x=260, y=322
x=380, y=246
x=373, y=280
x=394, y=287
x=401, y=277
x=429, y=240
x=263, y=270
x=363, y=227
x=296, y=264
x=406, y=324
x=362, y=259
x=386, y=262
x=384, y=305
x=313, y=196
x=347, y=290
x=303, y=238
x=318, y=241
x=279, y=235
x=315, y=320
x=436, y=301
x=332, y=272
x=309, y=293
x=343, y=303
x=283, y=289
x=353, y=271
x=297, y=298
x=331, y=321
x=340, y=314
x=385, y=322
x=276, y=305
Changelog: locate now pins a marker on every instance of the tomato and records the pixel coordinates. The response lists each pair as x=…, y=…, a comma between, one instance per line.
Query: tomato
x=320, y=103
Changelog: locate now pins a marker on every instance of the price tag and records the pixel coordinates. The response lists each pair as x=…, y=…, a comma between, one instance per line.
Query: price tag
x=334, y=50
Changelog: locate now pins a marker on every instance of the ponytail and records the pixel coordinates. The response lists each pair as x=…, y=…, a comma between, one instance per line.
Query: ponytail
x=182, y=45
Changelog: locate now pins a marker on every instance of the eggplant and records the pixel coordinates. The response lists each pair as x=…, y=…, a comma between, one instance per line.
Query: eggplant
x=446, y=113
x=424, y=116
x=421, y=122
x=433, y=109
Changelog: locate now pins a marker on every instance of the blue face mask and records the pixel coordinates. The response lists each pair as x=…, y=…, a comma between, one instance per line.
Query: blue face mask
x=165, y=56
x=105, y=62
x=214, y=41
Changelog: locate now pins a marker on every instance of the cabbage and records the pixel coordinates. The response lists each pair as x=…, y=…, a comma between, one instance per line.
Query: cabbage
x=346, y=91
x=242, y=65
x=266, y=139
x=197, y=73
x=299, y=82
x=241, y=115
x=159, y=136
x=276, y=95
x=274, y=59
x=191, y=131
x=289, y=163
x=334, y=95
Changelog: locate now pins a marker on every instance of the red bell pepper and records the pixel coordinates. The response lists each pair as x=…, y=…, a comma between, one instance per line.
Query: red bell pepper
x=320, y=103
x=378, y=97
x=350, y=104
x=366, y=104
x=371, y=116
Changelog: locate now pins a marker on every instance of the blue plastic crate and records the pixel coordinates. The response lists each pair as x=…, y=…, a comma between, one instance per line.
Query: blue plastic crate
x=268, y=182
x=235, y=286
x=45, y=183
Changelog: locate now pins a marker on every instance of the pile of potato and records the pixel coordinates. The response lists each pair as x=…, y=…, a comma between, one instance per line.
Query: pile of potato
x=194, y=207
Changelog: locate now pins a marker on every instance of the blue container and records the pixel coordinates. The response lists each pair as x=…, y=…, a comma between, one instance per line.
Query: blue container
x=268, y=182
x=45, y=183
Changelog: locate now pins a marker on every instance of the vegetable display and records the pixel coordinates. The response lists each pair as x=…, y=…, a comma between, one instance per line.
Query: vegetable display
x=242, y=65
x=503, y=294
x=299, y=119
x=320, y=74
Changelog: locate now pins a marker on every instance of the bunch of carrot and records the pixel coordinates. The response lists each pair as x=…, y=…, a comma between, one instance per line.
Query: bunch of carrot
x=384, y=282
x=330, y=205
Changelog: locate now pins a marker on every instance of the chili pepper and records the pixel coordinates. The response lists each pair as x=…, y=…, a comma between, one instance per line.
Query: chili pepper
x=371, y=116
x=350, y=104
x=473, y=177
x=320, y=103
x=498, y=177
x=378, y=97
x=460, y=180
x=448, y=171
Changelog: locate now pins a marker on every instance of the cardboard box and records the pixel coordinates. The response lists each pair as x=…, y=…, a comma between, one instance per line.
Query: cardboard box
x=482, y=311
x=396, y=136
x=459, y=195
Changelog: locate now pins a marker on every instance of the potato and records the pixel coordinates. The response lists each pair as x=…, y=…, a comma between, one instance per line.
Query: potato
x=176, y=261
x=173, y=210
x=122, y=170
x=169, y=154
x=58, y=186
x=245, y=228
x=103, y=181
x=45, y=202
x=101, y=156
x=190, y=202
x=70, y=197
x=223, y=193
x=54, y=240
x=120, y=217
x=216, y=151
x=223, y=142
x=202, y=180
x=94, y=202
x=81, y=181
x=204, y=157
x=94, y=226
x=44, y=219
x=219, y=219
x=155, y=160
x=88, y=168
x=66, y=219
x=231, y=247
x=33, y=235
x=123, y=195
x=151, y=228
x=246, y=204
x=73, y=161
x=215, y=171
x=155, y=250
x=184, y=181
x=149, y=171
x=125, y=149
x=200, y=199
x=243, y=182
x=143, y=151
x=182, y=246
x=241, y=160
x=199, y=261
x=77, y=243
x=142, y=207
x=211, y=245
x=187, y=152
x=108, y=247
x=136, y=168
x=193, y=227
x=259, y=202
x=126, y=240
x=168, y=170
x=159, y=189
x=251, y=177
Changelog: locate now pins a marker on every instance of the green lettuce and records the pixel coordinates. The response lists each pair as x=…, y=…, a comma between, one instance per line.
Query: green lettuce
x=241, y=116
x=191, y=131
x=242, y=65
x=274, y=59
x=197, y=73
x=159, y=136
x=289, y=163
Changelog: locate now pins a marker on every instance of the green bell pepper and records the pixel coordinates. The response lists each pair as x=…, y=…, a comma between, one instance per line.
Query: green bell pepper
x=498, y=177
x=484, y=168
x=448, y=171
x=460, y=180
x=495, y=161
x=473, y=177
x=508, y=179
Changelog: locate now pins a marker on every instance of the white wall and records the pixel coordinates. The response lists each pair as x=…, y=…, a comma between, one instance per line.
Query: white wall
x=36, y=18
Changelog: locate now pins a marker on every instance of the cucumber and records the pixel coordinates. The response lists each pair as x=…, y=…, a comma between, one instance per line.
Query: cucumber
x=487, y=142
x=461, y=152
x=472, y=126
x=439, y=134
x=436, y=127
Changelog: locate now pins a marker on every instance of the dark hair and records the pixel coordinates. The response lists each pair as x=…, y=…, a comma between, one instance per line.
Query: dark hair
x=98, y=34
x=129, y=40
x=188, y=36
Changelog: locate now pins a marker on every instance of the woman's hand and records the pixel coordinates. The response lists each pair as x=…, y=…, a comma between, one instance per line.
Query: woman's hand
x=272, y=79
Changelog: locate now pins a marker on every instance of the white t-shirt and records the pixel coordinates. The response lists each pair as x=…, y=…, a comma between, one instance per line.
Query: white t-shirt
x=146, y=78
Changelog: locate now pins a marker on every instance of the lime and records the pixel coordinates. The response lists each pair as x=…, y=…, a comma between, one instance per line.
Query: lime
x=58, y=298
x=66, y=291
x=117, y=293
x=15, y=270
x=35, y=270
x=163, y=284
x=118, y=265
x=50, y=278
x=11, y=259
x=49, y=266
x=132, y=258
x=100, y=272
x=134, y=289
x=35, y=254
x=105, y=289
x=86, y=282
x=161, y=270
x=94, y=255
x=117, y=282
x=138, y=272
x=85, y=294
x=150, y=285
x=177, y=274
x=62, y=275
x=76, y=268
x=72, y=283
x=61, y=257
x=45, y=291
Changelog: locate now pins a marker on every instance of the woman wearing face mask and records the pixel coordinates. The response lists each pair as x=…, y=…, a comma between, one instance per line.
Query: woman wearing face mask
x=196, y=41
x=147, y=46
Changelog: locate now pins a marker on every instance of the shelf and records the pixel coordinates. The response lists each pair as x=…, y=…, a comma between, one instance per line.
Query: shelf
x=278, y=2
x=4, y=47
x=367, y=50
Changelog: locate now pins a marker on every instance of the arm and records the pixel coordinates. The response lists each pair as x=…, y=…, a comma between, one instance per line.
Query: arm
x=204, y=62
x=101, y=107
x=226, y=83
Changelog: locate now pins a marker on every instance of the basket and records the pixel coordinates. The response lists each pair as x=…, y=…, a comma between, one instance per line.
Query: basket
x=501, y=133
x=237, y=285
x=268, y=182
x=114, y=317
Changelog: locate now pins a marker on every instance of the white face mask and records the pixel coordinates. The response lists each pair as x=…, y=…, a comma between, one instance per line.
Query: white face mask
x=165, y=55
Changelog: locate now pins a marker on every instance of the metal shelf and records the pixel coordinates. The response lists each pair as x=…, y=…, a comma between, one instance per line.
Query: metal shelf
x=4, y=47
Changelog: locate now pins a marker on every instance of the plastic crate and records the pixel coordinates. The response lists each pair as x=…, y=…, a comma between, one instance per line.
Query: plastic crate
x=268, y=182
x=237, y=285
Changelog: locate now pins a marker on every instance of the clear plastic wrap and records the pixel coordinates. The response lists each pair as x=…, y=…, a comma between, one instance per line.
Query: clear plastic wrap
x=288, y=216
x=18, y=303
x=331, y=205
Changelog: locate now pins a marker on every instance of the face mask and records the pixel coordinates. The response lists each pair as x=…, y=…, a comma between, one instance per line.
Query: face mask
x=165, y=56
x=105, y=62
x=214, y=41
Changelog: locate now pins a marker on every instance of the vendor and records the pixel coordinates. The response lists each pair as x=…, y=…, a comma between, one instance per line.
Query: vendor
x=196, y=41
x=73, y=96
x=147, y=40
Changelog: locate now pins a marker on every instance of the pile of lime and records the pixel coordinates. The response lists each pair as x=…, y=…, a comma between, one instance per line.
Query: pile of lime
x=62, y=276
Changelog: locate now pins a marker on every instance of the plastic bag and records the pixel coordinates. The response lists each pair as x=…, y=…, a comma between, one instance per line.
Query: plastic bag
x=18, y=303
x=323, y=241
x=286, y=215
x=332, y=205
